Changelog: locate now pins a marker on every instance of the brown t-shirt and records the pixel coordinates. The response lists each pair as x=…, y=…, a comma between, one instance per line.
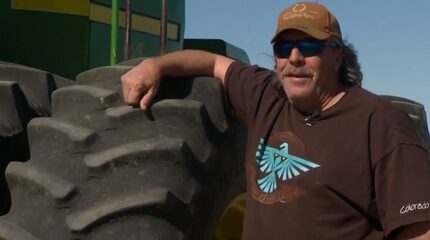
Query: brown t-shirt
x=354, y=171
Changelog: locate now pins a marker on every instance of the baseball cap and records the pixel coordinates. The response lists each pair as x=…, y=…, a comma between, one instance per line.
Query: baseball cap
x=312, y=18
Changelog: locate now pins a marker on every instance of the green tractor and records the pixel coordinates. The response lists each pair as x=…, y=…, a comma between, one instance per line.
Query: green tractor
x=77, y=163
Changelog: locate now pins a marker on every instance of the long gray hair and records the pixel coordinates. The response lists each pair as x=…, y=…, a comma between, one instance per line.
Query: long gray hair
x=350, y=71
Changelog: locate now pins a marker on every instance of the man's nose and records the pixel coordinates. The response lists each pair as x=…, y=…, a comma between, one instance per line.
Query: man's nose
x=296, y=57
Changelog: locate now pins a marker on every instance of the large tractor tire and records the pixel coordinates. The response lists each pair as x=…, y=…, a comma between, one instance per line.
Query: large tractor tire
x=103, y=170
x=25, y=93
x=417, y=114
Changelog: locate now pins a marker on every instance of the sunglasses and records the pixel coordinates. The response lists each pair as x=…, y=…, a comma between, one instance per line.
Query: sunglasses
x=307, y=47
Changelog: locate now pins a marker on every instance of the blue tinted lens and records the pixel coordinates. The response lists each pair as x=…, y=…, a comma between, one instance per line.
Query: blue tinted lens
x=286, y=48
x=307, y=47
x=310, y=47
x=283, y=49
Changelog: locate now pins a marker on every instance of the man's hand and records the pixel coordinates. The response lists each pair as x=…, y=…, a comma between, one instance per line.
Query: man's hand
x=140, y=84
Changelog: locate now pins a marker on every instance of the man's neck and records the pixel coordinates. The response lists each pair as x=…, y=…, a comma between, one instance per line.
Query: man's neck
x=332, y=100
x=321, y=104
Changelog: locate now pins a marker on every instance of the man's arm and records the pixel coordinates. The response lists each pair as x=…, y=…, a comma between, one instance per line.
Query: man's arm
x=140, y=84
x=415, y=231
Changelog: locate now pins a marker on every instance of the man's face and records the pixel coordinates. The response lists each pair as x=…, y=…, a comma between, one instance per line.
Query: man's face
x=308, y=81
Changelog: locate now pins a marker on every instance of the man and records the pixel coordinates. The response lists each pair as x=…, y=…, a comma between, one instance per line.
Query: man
x=325, y=158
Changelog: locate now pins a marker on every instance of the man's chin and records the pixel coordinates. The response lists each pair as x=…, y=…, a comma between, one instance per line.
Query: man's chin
x=298, y=95
x=300, y=99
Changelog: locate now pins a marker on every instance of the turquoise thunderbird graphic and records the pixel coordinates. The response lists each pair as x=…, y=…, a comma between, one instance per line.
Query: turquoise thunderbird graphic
x=278, y=164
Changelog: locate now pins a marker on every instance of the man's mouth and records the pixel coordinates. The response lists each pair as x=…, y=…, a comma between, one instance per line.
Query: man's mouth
x=299, y=75
x=296, y=73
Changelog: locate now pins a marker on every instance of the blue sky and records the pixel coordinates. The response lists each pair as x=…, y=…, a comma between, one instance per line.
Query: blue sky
x=392, y=37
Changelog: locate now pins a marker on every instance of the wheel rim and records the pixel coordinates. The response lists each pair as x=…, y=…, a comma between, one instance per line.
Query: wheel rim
x=231, y=223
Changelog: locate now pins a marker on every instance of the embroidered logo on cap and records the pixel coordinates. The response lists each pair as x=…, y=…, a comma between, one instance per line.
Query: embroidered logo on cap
x=300, y=7
x=300, y=10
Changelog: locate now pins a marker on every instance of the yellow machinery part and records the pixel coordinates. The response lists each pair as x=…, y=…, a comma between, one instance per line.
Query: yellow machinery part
x=231, y=224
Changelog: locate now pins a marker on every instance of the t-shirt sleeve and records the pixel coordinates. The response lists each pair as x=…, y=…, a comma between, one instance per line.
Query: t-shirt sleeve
x=401, y=173
x=245, y=88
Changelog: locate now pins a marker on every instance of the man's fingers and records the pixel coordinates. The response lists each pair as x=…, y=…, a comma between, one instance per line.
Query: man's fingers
x=134, y=95
x=139, y=85
x=147, y=98
x=125, y=89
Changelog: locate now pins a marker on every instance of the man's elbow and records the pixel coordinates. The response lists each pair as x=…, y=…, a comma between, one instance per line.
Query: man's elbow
x=415, y=231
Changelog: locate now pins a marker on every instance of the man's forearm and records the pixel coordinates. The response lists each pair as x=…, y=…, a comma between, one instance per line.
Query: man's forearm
x=140, y=84
x=185, y=63
x=190, y=63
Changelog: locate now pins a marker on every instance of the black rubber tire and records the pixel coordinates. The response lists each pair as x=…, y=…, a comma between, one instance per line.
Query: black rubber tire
x=418, y=115
x=102, y=170
x=131, y=62
x=24, y=94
